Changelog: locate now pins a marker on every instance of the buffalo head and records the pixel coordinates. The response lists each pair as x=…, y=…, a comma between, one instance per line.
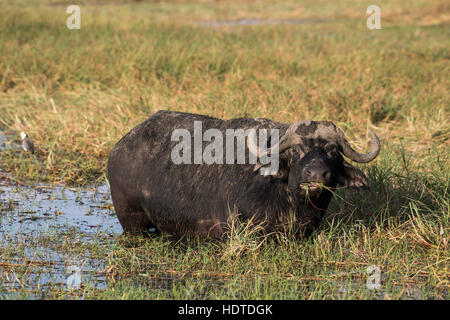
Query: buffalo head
x=311, y=156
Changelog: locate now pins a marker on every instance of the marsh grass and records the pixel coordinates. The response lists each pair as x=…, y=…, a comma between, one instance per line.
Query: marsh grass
x=403, y=230
x=76, y=93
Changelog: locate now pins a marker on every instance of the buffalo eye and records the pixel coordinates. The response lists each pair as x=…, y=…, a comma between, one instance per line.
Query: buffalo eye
x=297, y=151
x=331, y=149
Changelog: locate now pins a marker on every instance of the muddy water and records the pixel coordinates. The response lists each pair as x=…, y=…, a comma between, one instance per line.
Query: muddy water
x=33, y=222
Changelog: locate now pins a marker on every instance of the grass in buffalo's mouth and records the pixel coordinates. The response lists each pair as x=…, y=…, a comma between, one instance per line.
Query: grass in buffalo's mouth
x=78, y=92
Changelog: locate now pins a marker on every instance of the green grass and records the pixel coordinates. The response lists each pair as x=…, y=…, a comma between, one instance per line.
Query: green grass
x=76, y=93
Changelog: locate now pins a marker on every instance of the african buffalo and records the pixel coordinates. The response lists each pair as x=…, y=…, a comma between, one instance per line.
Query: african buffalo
x=150, y=191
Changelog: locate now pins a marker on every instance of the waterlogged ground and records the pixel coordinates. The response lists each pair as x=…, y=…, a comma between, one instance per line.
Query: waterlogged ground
x=54, y=243
x=61, y=242
x=44, y=232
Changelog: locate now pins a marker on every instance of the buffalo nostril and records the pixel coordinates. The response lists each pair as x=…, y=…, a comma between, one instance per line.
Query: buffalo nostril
x=308, y=172
x=318, y=173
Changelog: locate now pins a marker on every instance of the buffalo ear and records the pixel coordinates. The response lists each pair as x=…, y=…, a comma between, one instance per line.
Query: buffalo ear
x=350, y=176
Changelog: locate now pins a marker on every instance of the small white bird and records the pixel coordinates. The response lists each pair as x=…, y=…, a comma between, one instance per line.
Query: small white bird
x=27, y=144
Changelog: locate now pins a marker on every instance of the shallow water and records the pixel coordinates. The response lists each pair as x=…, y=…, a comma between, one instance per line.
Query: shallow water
x=32, y=222
x=35, y=221
x=42, y=208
